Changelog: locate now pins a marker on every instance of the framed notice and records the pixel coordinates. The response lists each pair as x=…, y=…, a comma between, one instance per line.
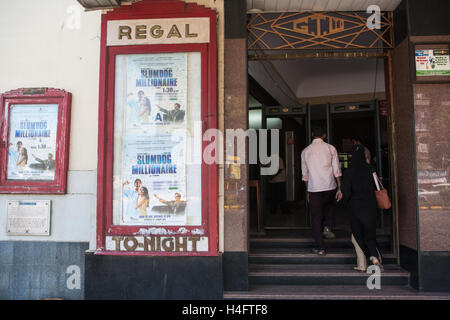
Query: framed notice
x=432, y=62
x=35, y=135
x=28, y=217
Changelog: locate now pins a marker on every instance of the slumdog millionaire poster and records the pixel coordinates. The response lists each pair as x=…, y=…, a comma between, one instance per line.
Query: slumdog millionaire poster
x=153, y=141
x=154, y=179
x=32, y=142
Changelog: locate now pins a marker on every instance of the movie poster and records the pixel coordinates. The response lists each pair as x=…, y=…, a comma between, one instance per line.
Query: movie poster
x=153, y=140
x=32, y=142
x=154, y=179
x=156, y=91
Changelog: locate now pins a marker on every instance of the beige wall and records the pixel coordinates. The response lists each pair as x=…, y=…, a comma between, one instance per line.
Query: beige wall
x=39, y=49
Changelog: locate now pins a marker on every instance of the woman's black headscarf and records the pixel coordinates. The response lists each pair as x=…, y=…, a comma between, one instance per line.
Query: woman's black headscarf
x=358, y=157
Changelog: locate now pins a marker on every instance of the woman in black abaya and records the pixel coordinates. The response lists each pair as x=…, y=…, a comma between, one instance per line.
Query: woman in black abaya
x=358, y=190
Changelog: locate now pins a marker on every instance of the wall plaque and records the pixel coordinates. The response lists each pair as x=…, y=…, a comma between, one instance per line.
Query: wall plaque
x=28, y=217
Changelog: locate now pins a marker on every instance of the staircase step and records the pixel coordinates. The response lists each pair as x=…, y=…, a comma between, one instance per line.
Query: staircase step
x=330, y=274
x=314, y=268
x=307, y=257
x=348, y=292
x=305, y=250
x=256, y=243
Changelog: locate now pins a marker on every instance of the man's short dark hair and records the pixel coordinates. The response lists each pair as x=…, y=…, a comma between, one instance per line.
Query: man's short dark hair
x=318, y=132
x=141, y=91
x=357, y=139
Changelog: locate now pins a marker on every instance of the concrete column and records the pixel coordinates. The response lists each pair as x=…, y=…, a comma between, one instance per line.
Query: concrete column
x=421, y=108
x=235, y=258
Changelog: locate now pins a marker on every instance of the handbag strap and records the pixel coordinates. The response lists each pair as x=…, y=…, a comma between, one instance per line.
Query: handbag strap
x=377, y=181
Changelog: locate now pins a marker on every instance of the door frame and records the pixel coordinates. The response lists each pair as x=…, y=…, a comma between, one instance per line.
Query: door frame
x=280, y=112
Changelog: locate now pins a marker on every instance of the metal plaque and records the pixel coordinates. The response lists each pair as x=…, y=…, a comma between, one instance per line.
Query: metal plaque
x=28, y=217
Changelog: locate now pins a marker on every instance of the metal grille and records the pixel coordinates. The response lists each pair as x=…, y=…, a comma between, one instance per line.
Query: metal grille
x=318, y=30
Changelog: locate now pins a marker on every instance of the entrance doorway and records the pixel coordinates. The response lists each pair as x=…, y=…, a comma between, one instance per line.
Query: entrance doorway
x=309, y=74
x=293, y=138
x=343, y=123
x=337, y=73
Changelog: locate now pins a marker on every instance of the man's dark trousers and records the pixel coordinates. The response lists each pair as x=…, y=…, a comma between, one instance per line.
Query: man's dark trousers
x=321, y=206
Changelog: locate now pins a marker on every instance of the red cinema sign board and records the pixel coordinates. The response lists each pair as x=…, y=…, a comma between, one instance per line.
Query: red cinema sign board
x=157, y=81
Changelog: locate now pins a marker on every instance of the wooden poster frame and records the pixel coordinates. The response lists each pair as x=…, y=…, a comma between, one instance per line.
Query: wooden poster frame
x=149, y=9
x=37, y=96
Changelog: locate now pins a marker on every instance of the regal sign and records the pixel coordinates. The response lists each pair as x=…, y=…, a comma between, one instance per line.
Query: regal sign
x=158, y=31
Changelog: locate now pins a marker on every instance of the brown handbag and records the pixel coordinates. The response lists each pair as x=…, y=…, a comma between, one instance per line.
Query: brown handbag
x=383, y=201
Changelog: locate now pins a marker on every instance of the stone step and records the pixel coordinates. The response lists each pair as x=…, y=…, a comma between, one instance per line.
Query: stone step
x=312, y=274
x=332, y=292
x=289, y=256
x=310, y=250
x=384, y=243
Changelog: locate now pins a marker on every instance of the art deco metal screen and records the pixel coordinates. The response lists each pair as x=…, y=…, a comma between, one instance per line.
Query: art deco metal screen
x=318, y=30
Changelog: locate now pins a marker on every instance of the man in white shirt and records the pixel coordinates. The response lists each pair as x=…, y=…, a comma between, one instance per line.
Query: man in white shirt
x=320, y=171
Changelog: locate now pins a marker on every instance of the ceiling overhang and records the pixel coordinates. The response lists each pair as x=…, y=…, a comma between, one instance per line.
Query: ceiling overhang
x=259, y=6
x=91, y=5
x=254, y=6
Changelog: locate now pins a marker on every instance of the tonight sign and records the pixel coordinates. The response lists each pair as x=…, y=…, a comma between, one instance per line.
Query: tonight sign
x=157, y=31
x=157, y=244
